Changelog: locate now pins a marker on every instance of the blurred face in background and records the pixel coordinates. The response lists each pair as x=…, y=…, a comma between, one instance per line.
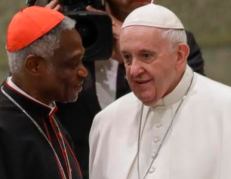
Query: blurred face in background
x=121, y=8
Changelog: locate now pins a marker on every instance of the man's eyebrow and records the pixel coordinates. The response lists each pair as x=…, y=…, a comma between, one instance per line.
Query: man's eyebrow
x=124, y=51
x=77, y=54
x=147, y=50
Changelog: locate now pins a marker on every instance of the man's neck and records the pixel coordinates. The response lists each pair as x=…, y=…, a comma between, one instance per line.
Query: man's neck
x=28, y=89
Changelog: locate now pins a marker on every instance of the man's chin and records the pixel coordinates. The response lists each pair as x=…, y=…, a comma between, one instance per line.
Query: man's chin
x=140, y=3
x=147, y=101
x=70, y=100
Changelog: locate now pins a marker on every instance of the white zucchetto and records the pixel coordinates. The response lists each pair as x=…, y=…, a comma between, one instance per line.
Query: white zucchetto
x=153, y=15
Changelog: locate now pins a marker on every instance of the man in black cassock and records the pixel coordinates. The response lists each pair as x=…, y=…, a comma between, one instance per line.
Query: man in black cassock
x=45, y=59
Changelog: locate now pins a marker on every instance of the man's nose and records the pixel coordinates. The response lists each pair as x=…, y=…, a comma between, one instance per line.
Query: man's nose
x=136, y=68
x=82, y=71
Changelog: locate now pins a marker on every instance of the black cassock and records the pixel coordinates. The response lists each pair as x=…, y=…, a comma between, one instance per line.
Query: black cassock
x=24, y=152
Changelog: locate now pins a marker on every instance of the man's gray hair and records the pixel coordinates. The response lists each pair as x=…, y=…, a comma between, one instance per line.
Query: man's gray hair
x=174, y=36
x=43, y=47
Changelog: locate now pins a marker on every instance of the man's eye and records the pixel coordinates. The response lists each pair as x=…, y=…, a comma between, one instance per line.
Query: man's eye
x=73, y=64
x=146, y=56
x=127, y=58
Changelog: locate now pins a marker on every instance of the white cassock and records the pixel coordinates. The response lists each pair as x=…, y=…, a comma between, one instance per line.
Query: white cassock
x=180, y=138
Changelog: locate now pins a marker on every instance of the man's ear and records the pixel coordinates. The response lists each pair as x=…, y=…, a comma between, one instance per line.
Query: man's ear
x=183, y=52
x=33, y=65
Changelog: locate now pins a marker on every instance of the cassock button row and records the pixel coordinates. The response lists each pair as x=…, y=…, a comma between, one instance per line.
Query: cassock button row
x=64, y=152
x=153, y=155
x=158, y=125
x=60, y=135
x=159, y=110
x=152, y=170
x=156, y=140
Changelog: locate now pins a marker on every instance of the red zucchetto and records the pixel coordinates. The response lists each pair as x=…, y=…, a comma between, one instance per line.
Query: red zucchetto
x=30, y=24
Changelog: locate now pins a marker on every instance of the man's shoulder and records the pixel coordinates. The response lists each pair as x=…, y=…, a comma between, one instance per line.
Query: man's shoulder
x=126, y=105
x=210, y=87
x=214, y=85
x=127, y=101
x=8, y=112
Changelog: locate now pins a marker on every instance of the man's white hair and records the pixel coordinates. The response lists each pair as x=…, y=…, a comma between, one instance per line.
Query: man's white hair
x=43, y=47
x=175, y=36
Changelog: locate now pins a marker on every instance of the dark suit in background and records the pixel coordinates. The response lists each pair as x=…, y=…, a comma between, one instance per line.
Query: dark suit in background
x=77, y=117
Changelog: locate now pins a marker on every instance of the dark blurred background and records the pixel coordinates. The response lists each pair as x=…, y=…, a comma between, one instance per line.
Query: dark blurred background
x=208, y=20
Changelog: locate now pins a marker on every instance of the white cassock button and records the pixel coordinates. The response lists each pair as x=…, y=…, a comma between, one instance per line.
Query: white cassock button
x=158, y=125
x=159, y=110
x=152, y=170
x=156, y=140
x=153, y=155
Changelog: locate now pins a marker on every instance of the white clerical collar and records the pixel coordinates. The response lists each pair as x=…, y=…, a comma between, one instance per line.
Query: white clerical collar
x=179, y=91
x=16, y=88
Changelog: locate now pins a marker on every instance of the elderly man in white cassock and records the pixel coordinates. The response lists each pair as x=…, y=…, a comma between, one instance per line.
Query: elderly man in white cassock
x=176, y=124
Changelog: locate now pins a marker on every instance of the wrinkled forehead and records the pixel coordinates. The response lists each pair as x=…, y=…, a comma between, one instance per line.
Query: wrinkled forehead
x=134, y=38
